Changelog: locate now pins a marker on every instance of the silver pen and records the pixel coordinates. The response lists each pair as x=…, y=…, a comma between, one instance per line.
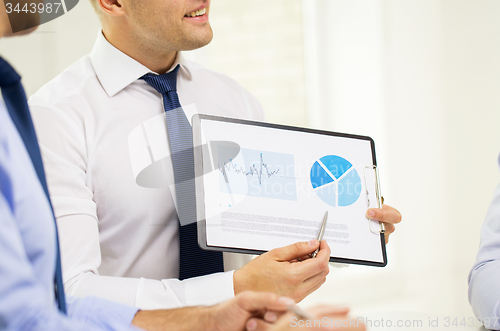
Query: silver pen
x=321, y=233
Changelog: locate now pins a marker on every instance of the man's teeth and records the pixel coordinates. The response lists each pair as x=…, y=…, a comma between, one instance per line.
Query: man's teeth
x=197, y=13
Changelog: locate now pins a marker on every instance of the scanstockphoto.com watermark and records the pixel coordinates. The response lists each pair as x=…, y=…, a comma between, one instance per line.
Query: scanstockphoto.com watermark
x=431, y=322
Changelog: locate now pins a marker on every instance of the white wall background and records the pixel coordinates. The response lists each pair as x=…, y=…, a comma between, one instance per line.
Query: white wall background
x=420, y=76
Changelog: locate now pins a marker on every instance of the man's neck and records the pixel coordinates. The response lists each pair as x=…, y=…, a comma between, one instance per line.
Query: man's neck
x=159, y=62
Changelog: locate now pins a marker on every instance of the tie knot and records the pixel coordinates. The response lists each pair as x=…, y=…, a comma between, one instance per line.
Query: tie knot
x=8, y=76
x=164, y=83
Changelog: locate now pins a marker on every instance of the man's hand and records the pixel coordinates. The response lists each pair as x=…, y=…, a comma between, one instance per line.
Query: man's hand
x=252, y=311
x=387, y=215
x=234, y=314
x=231, y=315
x=280, y=271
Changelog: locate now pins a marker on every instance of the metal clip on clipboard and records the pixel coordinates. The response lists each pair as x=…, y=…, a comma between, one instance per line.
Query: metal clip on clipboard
x=378, y=196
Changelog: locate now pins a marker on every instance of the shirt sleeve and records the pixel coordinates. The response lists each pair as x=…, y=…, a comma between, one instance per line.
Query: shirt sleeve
x=172, y=293
x=63, y=146
x=484, y=282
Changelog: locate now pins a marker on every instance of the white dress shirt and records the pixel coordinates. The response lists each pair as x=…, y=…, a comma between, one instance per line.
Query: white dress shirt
x=105, y=149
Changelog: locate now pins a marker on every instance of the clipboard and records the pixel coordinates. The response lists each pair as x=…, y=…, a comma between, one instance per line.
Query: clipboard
x=233, y=154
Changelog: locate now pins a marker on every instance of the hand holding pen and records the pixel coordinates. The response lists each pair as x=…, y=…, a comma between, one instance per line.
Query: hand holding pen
x=279, y=270
x=296, y=280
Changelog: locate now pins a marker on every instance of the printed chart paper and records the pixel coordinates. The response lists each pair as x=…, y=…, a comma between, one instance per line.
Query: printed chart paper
x=268, y=187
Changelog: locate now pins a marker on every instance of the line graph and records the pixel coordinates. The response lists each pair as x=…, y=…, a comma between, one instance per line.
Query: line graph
x=257, y=173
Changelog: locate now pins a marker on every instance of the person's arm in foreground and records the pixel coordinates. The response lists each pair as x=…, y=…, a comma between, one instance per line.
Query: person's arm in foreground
x=484, y=278
x=252, y=311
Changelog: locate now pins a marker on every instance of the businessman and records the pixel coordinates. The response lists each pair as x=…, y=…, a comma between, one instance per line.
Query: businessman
x=126, y=230
x=484, y=280
x=30, y=268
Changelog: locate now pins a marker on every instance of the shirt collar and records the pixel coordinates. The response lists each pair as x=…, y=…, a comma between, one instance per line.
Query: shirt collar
x=116, y=70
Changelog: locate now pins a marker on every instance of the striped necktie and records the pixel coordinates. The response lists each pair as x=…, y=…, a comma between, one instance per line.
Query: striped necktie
x=194, y=261
x=17, y=106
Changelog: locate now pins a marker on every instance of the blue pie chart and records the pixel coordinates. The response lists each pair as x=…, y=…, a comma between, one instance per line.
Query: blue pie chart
x=335, y=181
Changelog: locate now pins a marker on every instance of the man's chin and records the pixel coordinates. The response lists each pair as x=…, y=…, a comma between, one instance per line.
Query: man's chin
x=198, y=43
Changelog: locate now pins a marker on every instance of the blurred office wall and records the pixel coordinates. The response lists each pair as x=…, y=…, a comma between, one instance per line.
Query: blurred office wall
x=42, y=55
x=420, y=76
